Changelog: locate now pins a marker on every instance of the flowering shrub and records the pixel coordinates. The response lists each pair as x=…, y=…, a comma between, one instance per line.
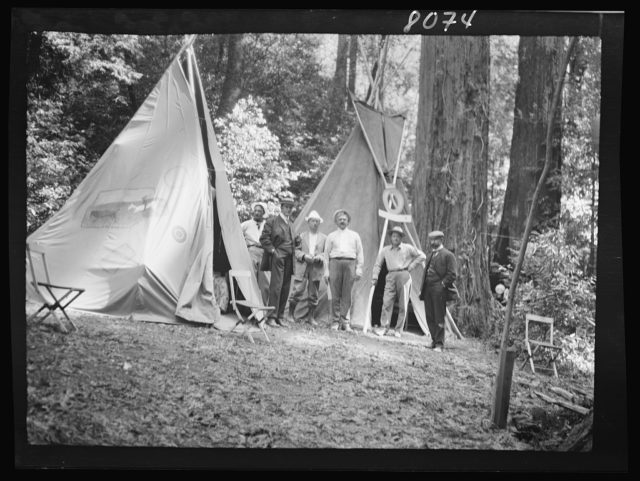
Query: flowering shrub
x=251, y=155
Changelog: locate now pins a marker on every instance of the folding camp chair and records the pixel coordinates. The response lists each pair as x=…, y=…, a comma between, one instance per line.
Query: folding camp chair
x=255, y=308
x=68, y=295
x=545, y=343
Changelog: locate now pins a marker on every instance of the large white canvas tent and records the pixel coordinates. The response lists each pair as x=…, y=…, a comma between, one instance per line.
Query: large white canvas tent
x=357, y=181
x=145, y=230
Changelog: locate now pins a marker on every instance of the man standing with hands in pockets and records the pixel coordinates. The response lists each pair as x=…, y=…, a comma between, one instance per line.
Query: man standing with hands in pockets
x=344, y=259
x=278, y=240
x=439, y=274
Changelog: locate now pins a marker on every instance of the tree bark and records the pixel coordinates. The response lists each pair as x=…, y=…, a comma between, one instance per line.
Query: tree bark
x=34, y=46
x=353, y=62
x=231, y=88
x=450, y=176
x=339, y=87
x=539, y=60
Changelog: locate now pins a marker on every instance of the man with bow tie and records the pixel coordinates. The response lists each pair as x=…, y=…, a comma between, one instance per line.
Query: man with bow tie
x=308, y=267
x=278, y=241
x=252, y=230
x=439, y=274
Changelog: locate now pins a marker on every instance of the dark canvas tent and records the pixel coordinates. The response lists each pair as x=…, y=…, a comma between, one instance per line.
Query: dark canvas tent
x=145, y=230
x=356, y=181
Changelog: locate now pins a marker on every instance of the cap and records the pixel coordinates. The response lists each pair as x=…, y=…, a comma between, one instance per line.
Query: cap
x=396, y=229
x=436, y=233
x=261, y=204
x=286, y=199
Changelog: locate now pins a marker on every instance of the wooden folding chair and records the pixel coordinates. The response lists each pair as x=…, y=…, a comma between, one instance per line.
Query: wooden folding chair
x=68, y=295
x=255, y=308
x=545, y=343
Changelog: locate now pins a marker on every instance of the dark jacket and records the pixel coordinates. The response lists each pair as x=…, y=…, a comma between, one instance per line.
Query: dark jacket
x=275, y=233
x=445, y=266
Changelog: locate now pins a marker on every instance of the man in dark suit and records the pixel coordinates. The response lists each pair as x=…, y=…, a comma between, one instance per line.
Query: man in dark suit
x=277, y=240
x=439, y=274
x=308, y=267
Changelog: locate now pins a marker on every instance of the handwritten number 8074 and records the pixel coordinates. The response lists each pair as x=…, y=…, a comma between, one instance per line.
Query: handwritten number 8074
x=431, y=19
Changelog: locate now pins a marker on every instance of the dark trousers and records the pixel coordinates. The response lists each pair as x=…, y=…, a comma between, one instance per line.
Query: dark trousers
x=281, y=270
x=435, y=306
x=342, y=275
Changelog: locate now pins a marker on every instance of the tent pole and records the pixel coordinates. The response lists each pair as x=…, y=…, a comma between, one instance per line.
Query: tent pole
x=190, y=70
x=375, y=160
x=367, y=323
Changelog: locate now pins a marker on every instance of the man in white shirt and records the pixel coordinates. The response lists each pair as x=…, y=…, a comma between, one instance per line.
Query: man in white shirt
x=252, y=229
x=344, y=259
x=399, y=258
x=308, y=267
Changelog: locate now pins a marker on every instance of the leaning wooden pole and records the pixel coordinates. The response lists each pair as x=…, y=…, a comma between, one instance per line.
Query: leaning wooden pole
x=499, y=408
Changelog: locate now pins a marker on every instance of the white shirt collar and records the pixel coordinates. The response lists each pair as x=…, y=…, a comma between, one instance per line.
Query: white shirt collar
x=284, y=218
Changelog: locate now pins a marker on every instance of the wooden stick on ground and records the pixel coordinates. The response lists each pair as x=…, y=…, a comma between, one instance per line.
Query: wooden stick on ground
x=560, y=402
x=452, y=325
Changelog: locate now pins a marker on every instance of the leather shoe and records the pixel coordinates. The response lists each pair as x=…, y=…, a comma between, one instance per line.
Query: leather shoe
x=335, y=326
x=272, y=323
x=347, y=328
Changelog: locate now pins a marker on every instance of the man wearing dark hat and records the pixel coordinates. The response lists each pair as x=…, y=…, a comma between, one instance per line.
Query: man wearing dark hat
x=439, y=274
x=277, y=240
x=344, y=259
x=400, y=259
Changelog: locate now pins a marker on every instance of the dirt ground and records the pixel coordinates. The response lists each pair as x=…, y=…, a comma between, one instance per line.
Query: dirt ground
x=116, y=382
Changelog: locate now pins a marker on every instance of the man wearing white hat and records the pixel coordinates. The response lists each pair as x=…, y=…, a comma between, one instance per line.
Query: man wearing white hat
x=252, y=230
x=308, y=267
x=400, y=259
x=439, y=274
x=343, y=263
x=277, y=240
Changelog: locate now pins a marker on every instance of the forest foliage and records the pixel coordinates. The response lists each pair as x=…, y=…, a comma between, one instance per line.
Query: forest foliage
x=282, y=134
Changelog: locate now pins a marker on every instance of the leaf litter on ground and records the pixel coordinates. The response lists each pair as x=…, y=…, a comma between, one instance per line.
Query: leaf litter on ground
x=117, y=382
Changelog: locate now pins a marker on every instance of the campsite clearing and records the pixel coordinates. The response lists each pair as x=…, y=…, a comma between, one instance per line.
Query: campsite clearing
x=115, y=382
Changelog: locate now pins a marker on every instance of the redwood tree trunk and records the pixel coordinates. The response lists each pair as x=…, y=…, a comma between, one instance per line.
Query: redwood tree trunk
x=231, y=88
x=339, y=88
x=450, y=176
x=353, y=62
x=539, y=61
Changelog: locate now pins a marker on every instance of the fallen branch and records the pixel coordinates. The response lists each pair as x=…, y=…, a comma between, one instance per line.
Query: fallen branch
x=562, y=392
x=560, y=402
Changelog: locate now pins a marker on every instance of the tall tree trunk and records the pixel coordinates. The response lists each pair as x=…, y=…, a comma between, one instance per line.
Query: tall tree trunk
x=591, y=268
x=34, y=45
x=353, y=62
x=539, y=61
x=339, y=88
x=450, y=176
x=231, y=89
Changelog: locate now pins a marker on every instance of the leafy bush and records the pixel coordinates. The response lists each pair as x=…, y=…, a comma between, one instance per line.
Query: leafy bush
x=553, y=284
x=251, y=155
